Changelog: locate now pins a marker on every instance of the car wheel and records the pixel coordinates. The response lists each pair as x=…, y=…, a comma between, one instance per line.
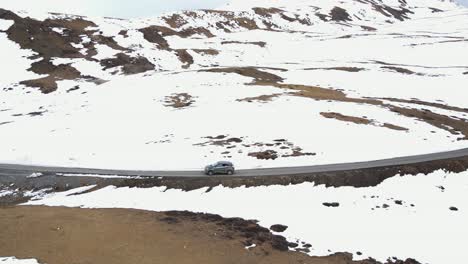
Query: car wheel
x=230, y=172
x=210, y=173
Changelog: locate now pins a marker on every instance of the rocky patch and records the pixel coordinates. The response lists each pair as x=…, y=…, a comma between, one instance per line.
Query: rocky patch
x=211, y=52
x=339, y=14
x=221, y=140
x=56, y=73
x=334, y=204
x=180, y=100
x=152, y=34
x=453, y=208
x=345, y=118
x=252, y=72
x=346, y=69
x=278, y=228
x=261, y=98
x=184, y=57
x=264, y=155
x=128, y=65
x=401, y=70
x=261, y=44
x=360, y=120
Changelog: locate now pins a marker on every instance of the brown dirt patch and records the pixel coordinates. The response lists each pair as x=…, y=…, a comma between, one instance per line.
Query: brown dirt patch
x=261, y=98
x=175, y=21
x=151, y=34
x=432, y=104
x=339, y=14
x=184, y=57
x=56, y=73
x=395, y=127
x=252, y=72
x=220, y=140
x=452, y=125
x=347, y=69
x=179, y=100
x=401, y=70
x=360, y=120
x=265, y=155
x=130, y=65
x=257, y=43
x=352, y=119
x=57, y=235
x=211, y=52
x=367, y=28
x=266, y=12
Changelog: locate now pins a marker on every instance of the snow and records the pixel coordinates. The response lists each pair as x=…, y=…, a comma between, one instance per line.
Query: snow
x=35, y=175
x=422, y=227
x=97, y=176
x=13, y=260
x=4, y=193
x=6, y=24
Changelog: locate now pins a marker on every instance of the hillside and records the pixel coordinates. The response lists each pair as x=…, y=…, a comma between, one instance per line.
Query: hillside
x=263, y=83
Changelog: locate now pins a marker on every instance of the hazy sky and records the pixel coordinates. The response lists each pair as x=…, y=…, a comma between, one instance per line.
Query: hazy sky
x=112, y=8
x=116, y=8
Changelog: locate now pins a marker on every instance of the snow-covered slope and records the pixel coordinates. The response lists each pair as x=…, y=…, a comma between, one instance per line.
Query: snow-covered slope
x=262, y=83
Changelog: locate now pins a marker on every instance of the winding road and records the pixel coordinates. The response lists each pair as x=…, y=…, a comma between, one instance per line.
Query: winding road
x=12, y=169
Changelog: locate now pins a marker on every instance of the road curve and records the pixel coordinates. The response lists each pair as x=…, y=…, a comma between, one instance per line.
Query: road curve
x=14, y=168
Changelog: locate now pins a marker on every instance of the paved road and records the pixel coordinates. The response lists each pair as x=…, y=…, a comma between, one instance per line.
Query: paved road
x=6, y=169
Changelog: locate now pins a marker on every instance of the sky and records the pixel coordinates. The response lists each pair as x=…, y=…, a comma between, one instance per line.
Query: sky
x=110, y=8
x=116, y=8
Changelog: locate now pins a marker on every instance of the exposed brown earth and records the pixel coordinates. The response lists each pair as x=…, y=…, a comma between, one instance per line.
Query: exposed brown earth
x=211, y=52
x=252, y=72
x=261, y=98
x=453, y=125
x=401, y=70
x=56, y=73
x=448, y=123
x=347, y=69
x=221, y=140
x=152, y=35
x=180, y=100
x=395, y=127
x=130, y=65
x=360, y=120
x=72, y=235
x=339, y=14
x=279, y=144
x=40, y=37
x=345, y=118
x=265, y=155
x=184, y=57
x=419, y=102
x=401, y=13
x=261, y=44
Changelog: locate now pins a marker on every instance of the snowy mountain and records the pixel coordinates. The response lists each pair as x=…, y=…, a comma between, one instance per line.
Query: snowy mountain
x=263, y=83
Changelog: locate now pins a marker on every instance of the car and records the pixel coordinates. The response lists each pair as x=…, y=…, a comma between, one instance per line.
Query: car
x=220, y=167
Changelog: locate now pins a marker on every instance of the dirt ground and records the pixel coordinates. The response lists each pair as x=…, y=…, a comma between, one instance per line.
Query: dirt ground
x=56, y=235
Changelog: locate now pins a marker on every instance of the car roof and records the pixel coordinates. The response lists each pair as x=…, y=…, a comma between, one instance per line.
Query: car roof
x=225, y=162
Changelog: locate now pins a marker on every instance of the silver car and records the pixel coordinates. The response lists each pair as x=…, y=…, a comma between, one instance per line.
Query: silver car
x=220, y=167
